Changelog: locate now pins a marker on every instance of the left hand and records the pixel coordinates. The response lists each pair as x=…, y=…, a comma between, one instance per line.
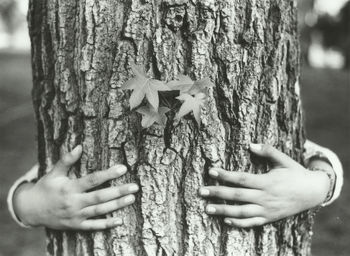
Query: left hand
x=62, y=203
x=287, y=189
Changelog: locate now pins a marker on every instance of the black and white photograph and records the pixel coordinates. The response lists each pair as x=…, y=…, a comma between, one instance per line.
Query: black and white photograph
x=174, y=127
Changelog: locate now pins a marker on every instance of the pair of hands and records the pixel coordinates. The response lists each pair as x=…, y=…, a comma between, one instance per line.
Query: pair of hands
x=58, y=202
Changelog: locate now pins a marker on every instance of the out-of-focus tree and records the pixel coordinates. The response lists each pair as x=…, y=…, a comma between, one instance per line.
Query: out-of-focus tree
x=305, y=19
x=8, y=15
x=335, y=31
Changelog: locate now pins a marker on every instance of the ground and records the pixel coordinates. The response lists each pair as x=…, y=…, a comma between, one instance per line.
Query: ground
x=325, y=99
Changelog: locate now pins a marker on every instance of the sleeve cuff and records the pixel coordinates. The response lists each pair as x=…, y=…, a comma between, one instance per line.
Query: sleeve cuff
x=310, y=148
x=30, y=176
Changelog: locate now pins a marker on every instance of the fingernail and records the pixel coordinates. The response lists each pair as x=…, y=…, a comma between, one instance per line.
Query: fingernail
x=213, y=173
x=76, y=150
x=256, y=147
x=120, y=169
x=204, y=192
x=133, y=188
x=118, y=222
x=129, y=199
x=210, y=209
x=228, y=222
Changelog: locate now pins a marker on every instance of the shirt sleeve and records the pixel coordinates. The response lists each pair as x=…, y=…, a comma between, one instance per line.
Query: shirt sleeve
x=30, y=176
x=310, y=148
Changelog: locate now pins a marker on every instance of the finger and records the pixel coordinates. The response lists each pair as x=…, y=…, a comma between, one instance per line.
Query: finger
x=232, y=194
x=108, y=207
x=277, y=158
x=245, y=223
x=67, y=160
x=235, y=211
x=242, y=179
x=97, y=178
x=108, y=194
x=100, y=224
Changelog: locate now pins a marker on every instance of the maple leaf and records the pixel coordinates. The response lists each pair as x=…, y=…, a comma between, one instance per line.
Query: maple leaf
x=185, y=85
x=142, y=87
x=191, y=104
x=182, y=84
x=200, y=86
x=151, y=116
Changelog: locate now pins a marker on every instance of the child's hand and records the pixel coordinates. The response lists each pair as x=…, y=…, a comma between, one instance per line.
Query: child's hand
x=58, y=202
x=286, y=190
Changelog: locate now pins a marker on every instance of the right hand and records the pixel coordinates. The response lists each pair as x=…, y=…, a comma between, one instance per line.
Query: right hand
x=61, y=203
x=287, y=189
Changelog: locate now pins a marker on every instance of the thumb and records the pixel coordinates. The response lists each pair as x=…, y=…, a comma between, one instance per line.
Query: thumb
x=67, y=160
x=276, y=157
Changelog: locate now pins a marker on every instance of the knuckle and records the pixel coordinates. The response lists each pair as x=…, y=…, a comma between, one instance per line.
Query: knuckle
x=215, y=191
x=117, y=204
x=242, y=179
x=266, y=181
x=107, y=224
x=110, y=174
x=262, y=221
x=83, y=214
x=237, y=194
x=93, y=179
x=67, y=211
x=74, y=223
x=51, y=184
x=65, y=224
x=225, y=210
x=64, y=190
x=241, y=212
x=67, y=158
x=229, y=176
x=267, y=149
x=97, y=210
x=87, y=227
x=98, y=198
x=120, y=190
x=257, y=222
x=240, y=224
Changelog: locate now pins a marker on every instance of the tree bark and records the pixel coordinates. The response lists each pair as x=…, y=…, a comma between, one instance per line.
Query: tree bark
x=81, y=51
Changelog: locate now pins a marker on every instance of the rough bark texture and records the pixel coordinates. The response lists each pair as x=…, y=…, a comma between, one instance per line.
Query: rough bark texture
x=249, y=48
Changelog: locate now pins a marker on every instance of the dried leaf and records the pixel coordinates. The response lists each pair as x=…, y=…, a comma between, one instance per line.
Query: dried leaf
x=182, y=84
x=200, y=86
x=142, y=87
x=191, y=104
x=151, y=116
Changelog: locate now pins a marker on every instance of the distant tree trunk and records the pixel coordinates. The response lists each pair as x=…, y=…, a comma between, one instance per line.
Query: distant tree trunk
x=81, y=54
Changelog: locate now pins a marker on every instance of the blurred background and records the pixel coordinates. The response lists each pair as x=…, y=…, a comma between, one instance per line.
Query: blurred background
x=325, y=41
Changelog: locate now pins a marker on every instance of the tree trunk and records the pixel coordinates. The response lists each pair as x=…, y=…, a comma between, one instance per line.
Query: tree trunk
x=81, y=56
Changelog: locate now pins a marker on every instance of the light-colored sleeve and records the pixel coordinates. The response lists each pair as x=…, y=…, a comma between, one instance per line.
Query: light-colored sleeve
x=30, y=176
x=310, y=149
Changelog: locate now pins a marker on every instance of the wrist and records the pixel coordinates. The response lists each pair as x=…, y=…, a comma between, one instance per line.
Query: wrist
x=23, y=204
x=326, y=182
x=320, y=165
x=323, y=184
